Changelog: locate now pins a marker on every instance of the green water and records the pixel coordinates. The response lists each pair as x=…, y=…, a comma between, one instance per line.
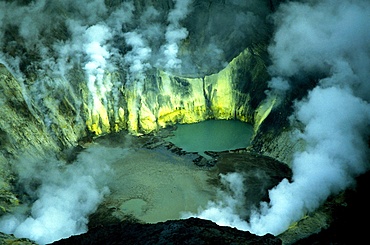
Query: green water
x=212, y=135
x=159, y=185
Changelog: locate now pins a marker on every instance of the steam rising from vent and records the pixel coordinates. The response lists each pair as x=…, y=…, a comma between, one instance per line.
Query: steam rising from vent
x=53, y=38
x=335, y=152
x=175, y=33
x=44, y=41
x=229, y=208
x=61, y=196
x=138, y=58
x=97, y=53
x=315, y=37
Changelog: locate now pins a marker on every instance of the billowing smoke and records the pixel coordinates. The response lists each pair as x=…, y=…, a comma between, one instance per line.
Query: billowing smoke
x=97, y=54
x=229, y=207
x=61, y=196
x=315, y=37
x=138, y=57
x=43, y=41
x=175, y=33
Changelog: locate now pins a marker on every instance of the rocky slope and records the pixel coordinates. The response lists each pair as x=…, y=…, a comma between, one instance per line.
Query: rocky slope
x=165, y=100
x=34, y=129
x=189, y=231
x=43, y=115
x=56, y=125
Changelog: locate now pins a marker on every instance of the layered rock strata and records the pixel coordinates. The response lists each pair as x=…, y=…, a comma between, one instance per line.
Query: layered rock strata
x=61, y=119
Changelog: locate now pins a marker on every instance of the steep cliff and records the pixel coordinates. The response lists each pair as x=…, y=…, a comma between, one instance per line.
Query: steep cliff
x=54, y=124
x=235, y=92
x=169, y=62
x=62, y=119
x=20, y=132
x=78, y=73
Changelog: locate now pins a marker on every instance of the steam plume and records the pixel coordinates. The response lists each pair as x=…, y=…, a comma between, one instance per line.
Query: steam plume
x=311, y=37
x=138, y=58
x=175, y=33
x=327, y=38
x=45, y=40
x=97, y=54
x=61, y=196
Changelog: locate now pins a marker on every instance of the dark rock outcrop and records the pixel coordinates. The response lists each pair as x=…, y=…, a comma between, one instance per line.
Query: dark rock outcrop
x=61, y=117
x=188, y=231
x=348, y=217
x=260, y=173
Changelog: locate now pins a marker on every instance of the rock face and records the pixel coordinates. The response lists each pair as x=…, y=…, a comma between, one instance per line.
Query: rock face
x=42, y=114
x=43, y=125
x=235, y=92
x=20, y=132
x=218, y=33
x=166, y=100
x=189, y=231
x=10, y=239
x=48, y=105
x=37, y=124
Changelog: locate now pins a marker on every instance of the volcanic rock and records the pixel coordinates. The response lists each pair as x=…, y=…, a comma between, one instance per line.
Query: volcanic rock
x=188, y=231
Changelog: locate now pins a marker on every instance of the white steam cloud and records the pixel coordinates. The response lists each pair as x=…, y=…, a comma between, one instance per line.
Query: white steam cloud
x=328, y=38
x=175, y=33
x=50, y=38
x=44, y=41
x=138, y=58
x=61, y=196
x=97, y=55
x=230, y=205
